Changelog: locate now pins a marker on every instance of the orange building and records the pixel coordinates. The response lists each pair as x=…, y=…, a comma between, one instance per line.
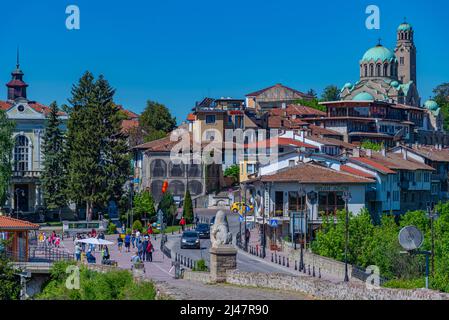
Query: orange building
x=16, y=231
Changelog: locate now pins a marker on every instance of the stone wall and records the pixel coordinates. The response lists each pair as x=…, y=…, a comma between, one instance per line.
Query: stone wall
x=327, y=290
x=203, y=277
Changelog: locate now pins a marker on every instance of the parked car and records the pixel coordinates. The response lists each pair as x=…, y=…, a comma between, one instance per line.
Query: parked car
x=203, y=231
x=237, y=207
x=190, y=239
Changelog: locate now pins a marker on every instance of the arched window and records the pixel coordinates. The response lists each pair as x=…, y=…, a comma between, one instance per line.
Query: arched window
x=385, y=70
x=366, y=70
x=158, y=168
x=378, y=70
x=22, y=154
x=371, y=70
x=392, y=70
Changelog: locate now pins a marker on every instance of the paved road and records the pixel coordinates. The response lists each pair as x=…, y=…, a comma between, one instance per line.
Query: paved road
x=245, y=262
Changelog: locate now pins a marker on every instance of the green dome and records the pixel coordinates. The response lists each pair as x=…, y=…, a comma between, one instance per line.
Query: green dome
x=404, y=27
x=363, y=96
x=431, y=105
x=394, y=84
x=377, y=53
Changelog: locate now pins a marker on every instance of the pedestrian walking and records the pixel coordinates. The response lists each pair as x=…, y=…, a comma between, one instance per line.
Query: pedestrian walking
x=133, y=239
x=120, y=243
x=77, y=252
x=140, y=250
x=144, y=247
x=182, y=223
x=128, y=242
x=149, y=250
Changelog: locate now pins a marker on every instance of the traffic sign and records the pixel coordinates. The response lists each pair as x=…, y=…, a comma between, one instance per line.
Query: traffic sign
x=273, y=223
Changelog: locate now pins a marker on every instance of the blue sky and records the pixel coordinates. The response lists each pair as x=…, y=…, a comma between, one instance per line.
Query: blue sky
x=178, y=51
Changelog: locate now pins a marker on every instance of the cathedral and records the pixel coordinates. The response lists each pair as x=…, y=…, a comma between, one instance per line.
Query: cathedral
x=388, y=75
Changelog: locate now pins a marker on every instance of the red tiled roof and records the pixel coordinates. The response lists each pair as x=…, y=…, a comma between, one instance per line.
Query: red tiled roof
x=374, y=164
x=280, y=142
x=316, y=130
x=129, y=124
x=332, y=142
x=7, y=223
x=4, y=105
x=356, y=172
x=131, y=115
x=314, y=174
x=297, y=110
x=259, y=92
x=36, y=106
x=16, y=83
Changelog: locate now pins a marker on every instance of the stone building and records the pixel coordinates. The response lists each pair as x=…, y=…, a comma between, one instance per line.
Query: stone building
x=30, y=118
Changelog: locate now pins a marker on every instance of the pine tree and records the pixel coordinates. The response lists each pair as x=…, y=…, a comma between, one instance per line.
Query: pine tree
x=98, y=155
x=188, y=207
x=54, y=175
x=6, y=147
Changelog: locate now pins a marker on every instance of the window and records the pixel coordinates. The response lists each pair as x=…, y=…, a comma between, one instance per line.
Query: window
x=426, y=177
x=279, y=203
x=22, y=154
x=296, y=203
x=330, y=202
x=401, y=61
x=366, y=71
x=250, y=168
x=378, y=70
x=371, y=70
x=210, y=119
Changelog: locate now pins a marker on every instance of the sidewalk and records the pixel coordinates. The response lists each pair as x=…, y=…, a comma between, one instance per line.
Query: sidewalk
x=281, y=258
x=158, y=270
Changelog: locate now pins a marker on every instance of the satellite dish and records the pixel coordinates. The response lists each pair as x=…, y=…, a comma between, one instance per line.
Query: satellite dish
x=411, y=238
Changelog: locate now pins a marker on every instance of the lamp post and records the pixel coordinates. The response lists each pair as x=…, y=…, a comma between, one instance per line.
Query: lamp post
x=22, y=193
x=432, y=214
x=346, y=199
x=301, y=194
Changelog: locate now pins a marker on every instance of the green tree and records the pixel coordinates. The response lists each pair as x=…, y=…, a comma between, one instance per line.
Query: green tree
x=369, y=145
x=6, y=147
x=157, y=121
x=233, y=172
x=9, y=281
x=441, y=96
x=187, y=210
x=98, y=155
x=331, y=93
x=314, y=104
x=54, y=175
x=312, y=93
x=144, y=205
x=168, y=207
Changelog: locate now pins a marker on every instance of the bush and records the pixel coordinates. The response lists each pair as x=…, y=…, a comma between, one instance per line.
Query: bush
x=233, y=172
x=137, y=225
x=112, y=228
x=200, y=265
x=113, y=285
x=405, y=284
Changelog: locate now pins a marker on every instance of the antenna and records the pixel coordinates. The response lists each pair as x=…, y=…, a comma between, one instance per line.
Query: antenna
x=411, y=238
x=18, y=57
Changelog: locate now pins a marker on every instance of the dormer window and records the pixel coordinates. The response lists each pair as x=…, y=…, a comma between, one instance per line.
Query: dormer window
x=21, y=108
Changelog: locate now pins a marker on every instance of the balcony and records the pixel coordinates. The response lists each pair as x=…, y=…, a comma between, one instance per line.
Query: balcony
x=26, y=174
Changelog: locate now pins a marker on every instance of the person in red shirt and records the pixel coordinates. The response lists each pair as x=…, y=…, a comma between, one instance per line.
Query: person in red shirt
x=182, y=223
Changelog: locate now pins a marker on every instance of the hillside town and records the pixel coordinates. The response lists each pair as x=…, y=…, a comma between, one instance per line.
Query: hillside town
x=282, y=170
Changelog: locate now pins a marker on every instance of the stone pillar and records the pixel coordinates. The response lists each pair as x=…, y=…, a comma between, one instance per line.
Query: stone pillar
x=222, y=259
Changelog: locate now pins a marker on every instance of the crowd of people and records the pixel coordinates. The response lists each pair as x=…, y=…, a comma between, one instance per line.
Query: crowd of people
x=86, y=251
x=138, y=241
x=52, y=240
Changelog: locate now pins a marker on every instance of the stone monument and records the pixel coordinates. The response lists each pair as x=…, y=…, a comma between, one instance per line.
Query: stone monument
x=223, y=255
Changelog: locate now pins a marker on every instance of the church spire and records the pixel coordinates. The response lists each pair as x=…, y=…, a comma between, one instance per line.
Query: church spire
x=17, y=87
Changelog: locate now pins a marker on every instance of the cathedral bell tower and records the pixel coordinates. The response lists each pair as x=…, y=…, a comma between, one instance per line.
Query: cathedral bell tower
x=406, y=54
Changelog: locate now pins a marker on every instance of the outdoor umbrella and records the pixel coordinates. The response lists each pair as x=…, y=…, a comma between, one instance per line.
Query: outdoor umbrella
x=95, y=241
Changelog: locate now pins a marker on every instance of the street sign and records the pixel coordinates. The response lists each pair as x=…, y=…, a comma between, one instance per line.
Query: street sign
x=273, y=223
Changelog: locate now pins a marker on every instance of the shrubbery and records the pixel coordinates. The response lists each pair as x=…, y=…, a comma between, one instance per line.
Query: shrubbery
x=113, y=285
x=377, y=244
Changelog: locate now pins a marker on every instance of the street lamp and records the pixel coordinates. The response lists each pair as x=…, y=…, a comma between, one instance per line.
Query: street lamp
x=432, y=214
x=22, y=193
x=301, y=194
x=346, y=199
